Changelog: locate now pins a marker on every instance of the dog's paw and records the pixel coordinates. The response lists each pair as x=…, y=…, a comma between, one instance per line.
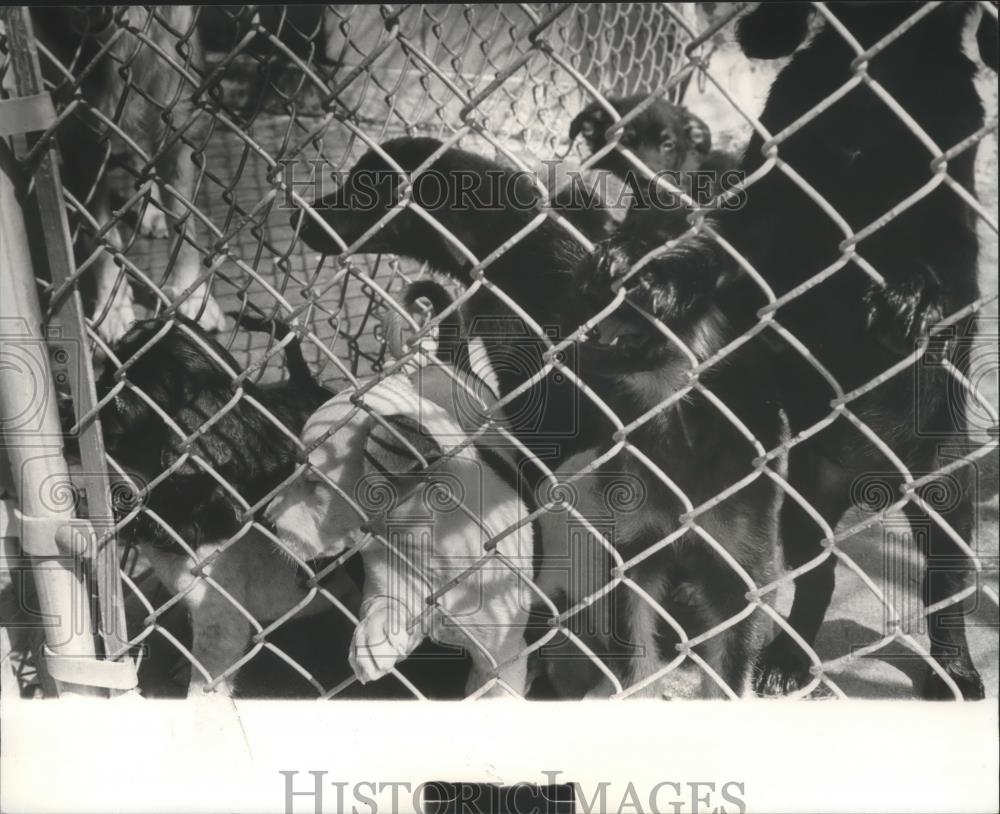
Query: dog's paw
x=665, y=290
x=120, y=314
x=380, y=642
x=610, y=261
x=783, y=667
x=664, y=287
x=900, y=313
x=211, y=317
x=970, y=684
x=153, y=222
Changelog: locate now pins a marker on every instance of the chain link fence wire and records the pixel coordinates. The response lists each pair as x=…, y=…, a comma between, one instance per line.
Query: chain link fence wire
x=266, y=102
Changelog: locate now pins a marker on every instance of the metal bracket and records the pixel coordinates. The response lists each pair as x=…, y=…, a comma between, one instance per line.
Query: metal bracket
x=112, y=675
x=55, y=536
x=26, y=114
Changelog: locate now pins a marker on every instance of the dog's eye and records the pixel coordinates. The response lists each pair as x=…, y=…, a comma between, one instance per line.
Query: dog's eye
x=668, y=145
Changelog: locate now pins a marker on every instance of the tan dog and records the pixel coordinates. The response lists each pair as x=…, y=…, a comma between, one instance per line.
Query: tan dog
x=252, y=574
x=423, y=529
x=126, y=81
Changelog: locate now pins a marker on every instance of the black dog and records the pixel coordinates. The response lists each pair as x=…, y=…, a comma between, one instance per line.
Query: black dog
x=672, y=142
x=246, y=448
x=862, y=159
x=186, y=517
x=483, y=204
x=541, y=274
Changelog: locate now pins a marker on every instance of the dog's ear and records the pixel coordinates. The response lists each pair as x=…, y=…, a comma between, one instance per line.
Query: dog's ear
x=592, y=121
x=698, y=133
x=215, y=446
x=400, y=446
x=986, y=39
x=773, y=30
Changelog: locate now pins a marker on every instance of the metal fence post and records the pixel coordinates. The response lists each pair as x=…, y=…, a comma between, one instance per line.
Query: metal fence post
x=32, y=440
x=25, y=75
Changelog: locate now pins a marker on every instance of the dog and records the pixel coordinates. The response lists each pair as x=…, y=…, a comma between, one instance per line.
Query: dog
x=369, y=452
x=126, y=81
x=543, y=273
x=574, y=563
x=670, y=141
x=483, y=204
x=855, y=326
x=185, y=521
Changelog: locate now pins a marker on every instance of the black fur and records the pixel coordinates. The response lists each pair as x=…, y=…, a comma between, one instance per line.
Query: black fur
x=774, y=30
x=244, y=446
x=540, y=273
x=672, y=142
x=862, y=159
x=535, y=272
x=372, y=189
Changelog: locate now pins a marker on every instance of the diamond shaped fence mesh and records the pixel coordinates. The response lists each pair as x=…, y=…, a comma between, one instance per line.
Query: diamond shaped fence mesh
x=636, y=418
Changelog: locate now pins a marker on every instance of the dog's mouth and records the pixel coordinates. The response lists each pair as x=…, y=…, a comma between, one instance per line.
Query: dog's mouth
x=617, y=331
x=619, y=342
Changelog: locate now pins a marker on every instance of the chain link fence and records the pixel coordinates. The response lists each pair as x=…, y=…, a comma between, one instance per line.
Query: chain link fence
x=190, y=139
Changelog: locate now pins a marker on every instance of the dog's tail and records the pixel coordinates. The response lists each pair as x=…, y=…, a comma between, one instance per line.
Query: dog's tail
x=298, y=369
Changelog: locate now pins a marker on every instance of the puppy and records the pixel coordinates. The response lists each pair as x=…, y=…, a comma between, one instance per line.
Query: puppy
x=543, y=273
x=127, y=82
x=854, y=327
x=182, y=516
x=391, y=463
x=483, y=204
x=670, y=141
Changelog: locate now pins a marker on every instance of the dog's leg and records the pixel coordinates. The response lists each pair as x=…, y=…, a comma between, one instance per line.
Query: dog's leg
x=221, y=634
x=657, y=642
x=505, y=642
x=179, y=171
x=784, y=665
x=382, y=638
x=114, y=305
x=392, y=598
x=514, y=675
x=641, y=642
x=114, y=310
x=731, y=654
x=220, y=631
x=708, y=595
x=711, y=595
x=948, y=572
x=154, y=218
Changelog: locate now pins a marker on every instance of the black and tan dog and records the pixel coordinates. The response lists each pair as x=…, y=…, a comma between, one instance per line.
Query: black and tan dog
x=674, y=145
x=682, y=583
x=185, y=519
x=122, y=57
x=864, y=159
